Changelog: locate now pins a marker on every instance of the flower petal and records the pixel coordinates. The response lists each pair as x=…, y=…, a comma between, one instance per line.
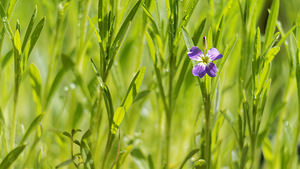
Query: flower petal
x=214, y=54
x=199, y=70
x=211, y=69
x=195, y=53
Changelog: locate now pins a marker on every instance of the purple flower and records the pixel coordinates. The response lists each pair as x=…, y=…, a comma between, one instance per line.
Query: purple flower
x=204, y=61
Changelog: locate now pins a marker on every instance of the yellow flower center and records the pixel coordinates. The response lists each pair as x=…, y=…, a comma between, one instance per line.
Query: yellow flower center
x=206, y=59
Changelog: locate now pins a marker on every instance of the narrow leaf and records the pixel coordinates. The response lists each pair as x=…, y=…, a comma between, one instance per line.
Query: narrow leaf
x=29, y=28
x=128, y=99
x=271, y=54
x=17, y=42
x=11, y=157
x=36, y=34
x=32, y=126
x=122, y=31
x=64, y=163
x=187, y=39
x=190, y=155
x=271, y=24
x=35, y=81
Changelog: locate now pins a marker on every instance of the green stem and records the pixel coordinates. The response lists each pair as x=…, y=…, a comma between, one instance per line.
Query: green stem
x=205, y=89
x=295, y=143
x=168, y=138
x=109, y=142
x=13, y=127
x=207, y=136
x=72, y=150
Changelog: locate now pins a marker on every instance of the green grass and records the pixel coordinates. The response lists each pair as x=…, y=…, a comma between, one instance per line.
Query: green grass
x=108, y=84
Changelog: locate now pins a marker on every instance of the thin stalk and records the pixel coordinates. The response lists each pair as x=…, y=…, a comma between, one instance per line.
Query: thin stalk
x=254, y=135
x=168, y=137
x=13, y=127
x=17, y=81
x=107, y=148
x=205, y=90
x=83, y=36
x=54, y=53
x=172, y=63
x=295, y=143
x=207, y=123
x=207, y=134
x=72, y=151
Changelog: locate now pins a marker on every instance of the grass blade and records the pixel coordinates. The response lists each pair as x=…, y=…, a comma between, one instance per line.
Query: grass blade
x=128, y=99
x=122, y=32
x=189, y=155
x=32, y=126
x=11, y=157
x=271, y=24
x=187, y=39
x=35, y=81
x=29, y=28
x=35, y=35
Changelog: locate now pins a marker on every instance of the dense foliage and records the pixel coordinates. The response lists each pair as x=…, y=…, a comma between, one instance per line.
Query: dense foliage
x=110, y=84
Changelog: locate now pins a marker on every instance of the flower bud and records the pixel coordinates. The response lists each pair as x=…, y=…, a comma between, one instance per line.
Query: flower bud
x=204, y=43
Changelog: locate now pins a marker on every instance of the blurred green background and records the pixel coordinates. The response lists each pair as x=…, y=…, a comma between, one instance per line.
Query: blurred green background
x=142, y=127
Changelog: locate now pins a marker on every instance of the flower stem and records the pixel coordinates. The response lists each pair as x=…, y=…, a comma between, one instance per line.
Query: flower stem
x=13, y=127
x=207, y=135
x=205, y=90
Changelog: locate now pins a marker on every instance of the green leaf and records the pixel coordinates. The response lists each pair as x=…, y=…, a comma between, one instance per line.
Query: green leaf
x=87, y=134
x=123, y=29
x=67, y=134
x=271, y=54
x=124, y=155
x=262, y=79
x=152, y=21
x=29, y=28
x=271, y=24
x=128, y=99
x=17, y=42
x=58, y=78
x=11, y=7
x=257, y=44
x=2, y=11
x=187, y=39
x=106, y=94
x=133, y=88
x=283, y=38
x=88, y=160
x=95, y=30
x=11, y=157
x=6, y=58
x=35, y=81
x=265, y=93
x=118, y=118
x=267, y=150
x=219, y=31
x=35, y=35
x=188, y=12
x=64, y=163
x=151, y=47
x=188, y=156
x=199, y=31
x=32, y=126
